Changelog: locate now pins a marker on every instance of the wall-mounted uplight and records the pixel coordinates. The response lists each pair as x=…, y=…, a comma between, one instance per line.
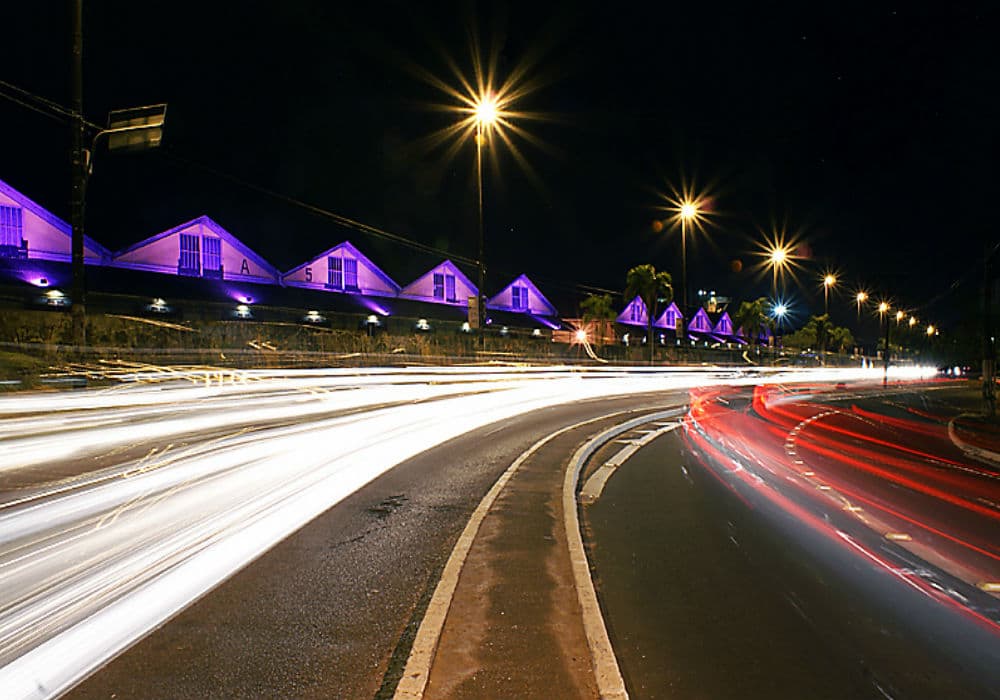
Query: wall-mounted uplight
x=243, y=311
x=40, y=281
x=313, y=316
x=159, y=306
x=465, y=328
x=422, y=326
x=54, y=297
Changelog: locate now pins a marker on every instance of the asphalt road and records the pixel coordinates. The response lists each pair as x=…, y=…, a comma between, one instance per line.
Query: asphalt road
x=722, y=576
x=330, y=611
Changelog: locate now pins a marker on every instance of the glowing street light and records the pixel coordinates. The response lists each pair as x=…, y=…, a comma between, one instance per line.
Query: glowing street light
x=829, y=280
x=931, y=330
x=883, y=307
x=778, y=257
x=913, y=321
x=900, y=315
x=688, y=208
x=861, y=297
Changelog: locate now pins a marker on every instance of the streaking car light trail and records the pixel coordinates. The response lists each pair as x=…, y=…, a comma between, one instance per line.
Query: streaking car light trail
x=130, y=503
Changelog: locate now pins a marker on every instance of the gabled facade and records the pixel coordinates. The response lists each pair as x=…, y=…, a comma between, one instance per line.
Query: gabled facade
x=522, y=296
x=198, y=248
x=724, y=326
x=634, y=314
x=342, y=268
x=671, y=317
x=700, y=323
x=30, y=232
x=443, y=284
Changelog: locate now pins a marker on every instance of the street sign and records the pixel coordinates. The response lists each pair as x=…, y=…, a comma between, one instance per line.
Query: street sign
x=136, y=129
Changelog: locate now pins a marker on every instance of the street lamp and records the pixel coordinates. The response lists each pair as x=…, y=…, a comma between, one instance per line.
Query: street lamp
x=913, y=321
x=828, y=281
x=688, y=212
x=486, y=114
x=777, y=258
x=861, y=298
x=883, y=309
x=931, y=330
x=900, y=315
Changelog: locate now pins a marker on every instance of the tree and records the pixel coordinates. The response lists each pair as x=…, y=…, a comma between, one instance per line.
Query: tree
x=650, y=286
x=597, y=309
x=753, y=318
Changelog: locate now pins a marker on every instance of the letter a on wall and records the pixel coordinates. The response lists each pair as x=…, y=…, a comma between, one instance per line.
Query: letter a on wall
x=244, y=268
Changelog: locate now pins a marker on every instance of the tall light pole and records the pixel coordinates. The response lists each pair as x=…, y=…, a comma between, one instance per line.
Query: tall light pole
x=883, y=309
x=688, y=212
x=777, y=258
x=79, y=182
x=861, y=298
x=486, y=117
x=829, y=280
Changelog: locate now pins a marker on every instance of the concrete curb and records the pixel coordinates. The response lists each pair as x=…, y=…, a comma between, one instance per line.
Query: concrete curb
x=413, y=682
x=610, y=684
x=971, y=450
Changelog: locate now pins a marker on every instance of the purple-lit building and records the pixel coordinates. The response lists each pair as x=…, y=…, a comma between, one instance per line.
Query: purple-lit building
x=29, y=232
x=342, y=268
x=671, y=318
x=442, y=284
x=700, y=323
x=522, y=296
x=198, y=248
x=634, y=314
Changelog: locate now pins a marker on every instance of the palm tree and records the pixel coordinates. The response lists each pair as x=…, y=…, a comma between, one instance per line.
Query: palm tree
x=650, y=286
x=753, y=318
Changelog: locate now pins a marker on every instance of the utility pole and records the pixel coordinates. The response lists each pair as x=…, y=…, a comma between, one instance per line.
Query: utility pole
x=989, y=342
x=79, y=182
x=885, y=352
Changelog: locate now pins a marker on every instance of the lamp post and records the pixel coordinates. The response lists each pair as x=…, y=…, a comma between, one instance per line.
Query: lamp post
x=883, y=309
x=861, y=298
x=485, y=116
x=777, y=258
x=828, y=281
x=688, y=212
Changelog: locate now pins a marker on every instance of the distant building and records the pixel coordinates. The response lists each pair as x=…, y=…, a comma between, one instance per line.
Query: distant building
x=522, y=296
x=197, y=248
x=30, y=232
x=342, y=268
x=442, y=284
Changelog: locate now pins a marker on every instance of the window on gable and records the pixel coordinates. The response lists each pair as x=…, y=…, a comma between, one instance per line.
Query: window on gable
x=449, y=287
x=11, y=231
x=519, y=297
x=350, y=273
x=212, y=254
x=438, y=285
x=636, y=312
x=189, y=262
x=335, y=272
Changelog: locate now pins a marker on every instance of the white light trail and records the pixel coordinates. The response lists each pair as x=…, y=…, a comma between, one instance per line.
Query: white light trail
x=95, y=559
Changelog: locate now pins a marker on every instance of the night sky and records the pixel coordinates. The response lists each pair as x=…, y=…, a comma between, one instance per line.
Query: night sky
x=867, y=128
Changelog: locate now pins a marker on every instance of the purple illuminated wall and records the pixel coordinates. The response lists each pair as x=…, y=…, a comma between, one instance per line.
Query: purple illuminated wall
x=701, y=323
x=670, y=317
x=634, y=314
x=198, y=248
x=443, y=284
x=522, y=296
x=724, y=326
x=342, y=268
x=30, y=232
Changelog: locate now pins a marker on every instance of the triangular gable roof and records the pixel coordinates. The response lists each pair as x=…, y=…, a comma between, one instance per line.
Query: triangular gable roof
x=663, y=321
x=213, y=226
x=724, y=326
x=634, y=313
x=348, y=246
x=502, y=301
x=700, y=323
x=413, y=289
x=52, y=220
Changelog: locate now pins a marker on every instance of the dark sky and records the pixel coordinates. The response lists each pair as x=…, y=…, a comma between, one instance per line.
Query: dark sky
x=869, y=128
